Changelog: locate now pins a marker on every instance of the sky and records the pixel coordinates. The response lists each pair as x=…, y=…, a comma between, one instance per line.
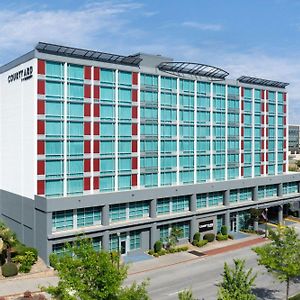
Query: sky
x=258, y=38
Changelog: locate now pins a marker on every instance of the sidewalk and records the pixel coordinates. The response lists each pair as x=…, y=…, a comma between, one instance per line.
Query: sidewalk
x=11, y=288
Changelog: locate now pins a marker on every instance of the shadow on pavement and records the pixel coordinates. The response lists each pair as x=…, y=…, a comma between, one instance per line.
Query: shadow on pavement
x=265, y=293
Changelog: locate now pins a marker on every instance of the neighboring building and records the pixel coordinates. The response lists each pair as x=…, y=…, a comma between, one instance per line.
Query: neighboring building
x=123, y=148
x=294, y=139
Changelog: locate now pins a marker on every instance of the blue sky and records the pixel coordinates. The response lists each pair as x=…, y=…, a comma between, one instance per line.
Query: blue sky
x=256, y=38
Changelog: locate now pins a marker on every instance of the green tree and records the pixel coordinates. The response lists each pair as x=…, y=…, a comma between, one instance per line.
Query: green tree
x=186, y=295
x=9, y=239
x=87, y=274
x=237, y=282
x=281, y=257
x=176, y=234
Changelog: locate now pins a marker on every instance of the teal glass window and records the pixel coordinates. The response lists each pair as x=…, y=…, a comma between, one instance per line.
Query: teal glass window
x=203, y=175
x=168, y=115
x=135, y=240
x=124, y=129
x=62, y=220
x=271, y=169
x=149, y=162
x=125, y=78
x=75, y=91
x=75, y=167
x=233, y=173
x=233, y=158
x=215, y=199
x=203, y=88
x=248, y=119
x=54, y=188
x=54, y=148
x=203, y=131
x=113, y=243
x=186, y=146
x=233, y=144
x=107, y=112
x=267, y=191
x=247, y=145
x=54, y=90
x=219, y=131
x=203, y=117
x=149, y=179
x=75, y=148
x=168, y=178
x=218, y=174
x=219, y=145
x=59, y=249
x=75, y=110
x=271, y=96
x=107, y=165
x=148, y=146
x=257, y=94
x=186, y=161
x=186, y=131
x=75, y=186
x=125, y=164
x=233, y=90
x=125, y=113
x=168, y=146
x=54, y=109
x=107, y=76
x=247, y=132
x=246, y=194
x=75, y=129
x=233, y=196
x=124, y=147
x=280, y=169
x=247, y=158
x=185, y=228
x=168, y=162
x=163, y=206
x=180, y=204
x=107, y=148
x=164, y=232
x=186, y=101
x=97, y=243
x=186, y=116
x=168, y=83
x=201, y=201
x=125, y=96
x=150, y=80
x=117, y=212
x=124, y=182
x=149, y=113
x=186, y=176
x=168, y=130
x=54, y=129
x=107, y=94
x=203, y=145
x=54, y=168
x=219, y=159
x=247, y=172
x=150, y=97
x=149, y=129
x=279, y=97
x=290, y=188
x=75, y=73
x=186, y=85
x=219, y=89
x=247, y=93
x=54, y=70
x=107, y=130
x=168, y=99
x=138, y=210
x=203, y=102
x=88, y=216
x=248, y=106
x=107, y=183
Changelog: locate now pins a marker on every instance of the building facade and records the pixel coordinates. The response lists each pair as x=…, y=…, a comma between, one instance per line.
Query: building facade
x=123, y=148
x=294, y=139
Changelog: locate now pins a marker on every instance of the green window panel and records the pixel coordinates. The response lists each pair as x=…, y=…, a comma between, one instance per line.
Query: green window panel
x=233, y=118
x=272, y=108
x=246, y=194
x=150, y=80
x=218, y=174
x=203, y=117
x=75, y=148
x=124, y=129
x=280, y=169
x=168, y=99
x=233, y=173
x=108, y=147
x=54, y=70
x=149, y=113
x=186, y=101
x=290, y=188
x=164, y=232
x=280, y=155
x=75, y=91
x=107, y=165
x=186, y=131
x=107, y=130
x=168, y=178
x=149, y=97
x=54, y=129
x=168, y=162
x=257, y=171
x=247, y=132
x=75, y=129
x=54, y=168
x=54, y=109
x=203, y=131
x=125, y=113
x=107, y=183
x=186, y=85
x=124, y=147
x=186, y=116
x=272, y=145
x=247, y=158
x=107, y=112
x=257, y=107
x=233, y=90
x=97, y=243
x=75, y=186
x=125, y=78
x=280, y=133
x=168, y=130
x=168, y=115
x=54, y=148
x=257, y=131
x=125, y=96
x=248, y=120
x=75, y=167
x=180, y=204
x=186, y=146
x=257, y=94
x=271, y=169
x=215, y=199
x=203, y=175
x=257, y=158
x=201, y=201
x=75, y=110
x=149, y=162
x=114, y=243
x=220, y=223
x=149, y=129
x=124, y=182
x=117, y=213
x=75, y=73
x=271, y=157
x=233, y=104
x=54, y=188
x=89, y=216
x=232, y=158
x=219, y=159
x=257, y=145
x=279, y=96
x=203, y=102
x=186, y=176
x=168, y=83
x=125, y=164
x=271, y=96
x=62, y=220
x=203, y=88
x=247, y=172
x=203, y=145
x=233, y=145
x=163, y=206
x=54, y=90
x=135, y=240
x=247, y=145
x=184, y=227
x=219, y=145
x=139, y=210
x=219, y=104
x=247, y=106
x=257, y=120
x=149, y=179
x=271, y=132
x=219, y=131
x=168, y=146
x=219, y=90
x=107, y=94
x=280, y=121
x=247, y=93
x=148, y=146
x=186, y=161
x=267, y=191
x=219, y=118
x=59, y=249
x=107, y=76
x=280, y=108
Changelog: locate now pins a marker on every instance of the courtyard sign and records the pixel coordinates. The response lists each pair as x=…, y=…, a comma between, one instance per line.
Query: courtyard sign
x=22, y=75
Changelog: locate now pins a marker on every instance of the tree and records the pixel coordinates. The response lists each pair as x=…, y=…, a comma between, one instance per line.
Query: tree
x=87, y=274
x=8, y=238
x=282, y=256
x=237, y=282
x=186, y=295
x=176, y=234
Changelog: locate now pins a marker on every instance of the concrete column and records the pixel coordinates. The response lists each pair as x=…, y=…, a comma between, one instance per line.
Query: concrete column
x=226, y=198
x=105, y=215
x=280, y=190
x=255, y=193
x=227, y=220
x=255, y=225
x=153, y=235
x=193, y=203
x=280, y=214
x=153, y=204
x=105, y=240
x=193, y=227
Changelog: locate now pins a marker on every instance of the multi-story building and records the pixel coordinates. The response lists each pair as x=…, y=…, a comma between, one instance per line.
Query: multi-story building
x=294, y=139
x=123, y=148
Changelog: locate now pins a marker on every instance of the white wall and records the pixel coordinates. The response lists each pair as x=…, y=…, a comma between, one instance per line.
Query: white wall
x=18, y=132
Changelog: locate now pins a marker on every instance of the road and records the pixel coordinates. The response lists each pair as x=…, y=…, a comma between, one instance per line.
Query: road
x=202, y=276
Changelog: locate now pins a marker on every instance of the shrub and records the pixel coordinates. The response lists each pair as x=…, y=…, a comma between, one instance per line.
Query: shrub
x=224, y=230
x=156, y=255
x=196, y=237
x=162, y=252
x=210, y=237
x=21, y=249
x=151, y=252
x=2, y=259
x=201, y=243
x=173, y=250
x=9, y=269
x=26, y=261
x=158, y=246
x=221, y=237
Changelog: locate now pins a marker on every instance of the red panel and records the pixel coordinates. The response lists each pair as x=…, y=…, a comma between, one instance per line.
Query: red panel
x=262, y=107
x=96, y=128
x=41, y=67
x=40, y=147
x=284, y=155
x=261, y=169
x=262, y=145
x=262, y=132
x=87, y=183
x=134, y=179
x=267, y=131
x=87, y=128
x=267, y=94
x=87, y=72
x=87, y=146
x=267, y=170
x=41, y=107
x=284, y=168
x=41, y=127
x=134, y=96
x=284, y=132
x=242, y=119
x=267, y=107
x=242, y=92
x=242, y=171
x=96, y=183
x=242, y=145
x=134, y=163
x=134, y=112
x=87, y=165
x=284, y=108
x=96, y=110
x=267, y=120
x=242, y=131
x=96, y=92
x=96, y=164
x=262, y=157
x=134, y=128
x=87, y=91
x=96, y=146
x=284, y=120
x=134, y=146
x=87, y=109
x=262, y=94
x=242, y=105
x=242, y=158
x=134, y=78
x=284, y=96
x=284, y=144
x=267, y=144
x=41, y=167
x=267, y=156
x=40, y=187
x=41, y=87
x=96, y=73
x=262, y=119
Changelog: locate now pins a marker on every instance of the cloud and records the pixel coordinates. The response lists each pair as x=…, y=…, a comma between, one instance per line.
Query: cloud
x=202, y=26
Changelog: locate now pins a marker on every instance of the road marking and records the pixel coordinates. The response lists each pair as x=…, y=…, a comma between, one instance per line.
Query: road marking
x=172, y=294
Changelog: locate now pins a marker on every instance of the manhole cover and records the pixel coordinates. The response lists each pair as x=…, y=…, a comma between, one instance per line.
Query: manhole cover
x=197, y=253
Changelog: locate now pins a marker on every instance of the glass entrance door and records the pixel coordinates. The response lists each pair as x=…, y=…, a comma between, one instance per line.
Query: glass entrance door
x=123, y=247
x=233, y=224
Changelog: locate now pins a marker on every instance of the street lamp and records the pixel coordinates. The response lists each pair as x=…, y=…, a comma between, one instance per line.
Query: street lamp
x=118, y=235
x=266, y=227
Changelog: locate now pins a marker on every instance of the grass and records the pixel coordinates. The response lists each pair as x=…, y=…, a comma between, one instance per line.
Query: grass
x=296, y=297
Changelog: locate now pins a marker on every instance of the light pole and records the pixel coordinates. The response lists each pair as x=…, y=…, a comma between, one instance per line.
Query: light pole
x=266, y=227
x=118, y=235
